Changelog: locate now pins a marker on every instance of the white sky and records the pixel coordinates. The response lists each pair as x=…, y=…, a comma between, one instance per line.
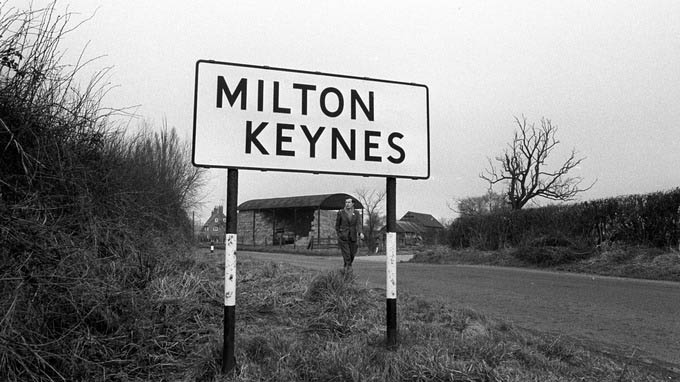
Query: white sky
x=607, y=73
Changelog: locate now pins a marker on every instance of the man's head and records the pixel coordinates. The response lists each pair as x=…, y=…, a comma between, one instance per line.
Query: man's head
x=349, y=203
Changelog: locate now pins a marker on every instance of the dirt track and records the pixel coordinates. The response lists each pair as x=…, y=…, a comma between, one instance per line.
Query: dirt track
x=632, y=315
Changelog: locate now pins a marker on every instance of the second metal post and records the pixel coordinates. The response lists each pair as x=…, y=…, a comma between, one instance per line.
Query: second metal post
x=228, y=359
x=391, y=262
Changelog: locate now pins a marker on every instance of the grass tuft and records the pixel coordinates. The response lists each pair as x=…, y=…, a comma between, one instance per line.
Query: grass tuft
x=329, y=286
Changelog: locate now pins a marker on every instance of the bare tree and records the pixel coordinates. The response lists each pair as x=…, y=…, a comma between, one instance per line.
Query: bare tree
x=373, y=218
x=523, y=167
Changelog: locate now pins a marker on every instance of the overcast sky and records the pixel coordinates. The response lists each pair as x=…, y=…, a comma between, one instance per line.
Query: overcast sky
x=607, y=73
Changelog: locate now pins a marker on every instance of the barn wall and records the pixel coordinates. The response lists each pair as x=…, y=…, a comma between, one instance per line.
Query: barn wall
x=268, y=227
x=255, y=232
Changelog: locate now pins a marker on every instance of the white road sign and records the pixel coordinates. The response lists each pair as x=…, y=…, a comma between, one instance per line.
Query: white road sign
x=253, y=117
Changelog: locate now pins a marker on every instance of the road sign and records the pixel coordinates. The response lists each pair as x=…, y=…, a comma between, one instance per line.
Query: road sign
x=254, y=117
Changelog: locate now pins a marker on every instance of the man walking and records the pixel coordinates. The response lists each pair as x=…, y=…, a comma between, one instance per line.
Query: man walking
x=347, y=225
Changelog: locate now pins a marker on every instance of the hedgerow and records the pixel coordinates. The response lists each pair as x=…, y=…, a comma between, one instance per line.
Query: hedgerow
x=646, y=219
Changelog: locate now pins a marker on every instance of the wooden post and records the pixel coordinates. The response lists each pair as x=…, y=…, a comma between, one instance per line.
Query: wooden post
x=274, y=228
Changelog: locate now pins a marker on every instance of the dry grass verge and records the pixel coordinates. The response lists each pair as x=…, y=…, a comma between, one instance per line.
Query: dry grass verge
x=297, y=325
x=627, y=261
x=613, y=260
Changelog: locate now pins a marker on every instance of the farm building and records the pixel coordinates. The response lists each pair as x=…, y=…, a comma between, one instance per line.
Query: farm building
x=298, y=221
x=416, y=228
x=431, y=228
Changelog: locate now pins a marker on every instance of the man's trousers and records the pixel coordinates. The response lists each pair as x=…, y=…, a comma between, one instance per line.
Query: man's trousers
x=348, y=249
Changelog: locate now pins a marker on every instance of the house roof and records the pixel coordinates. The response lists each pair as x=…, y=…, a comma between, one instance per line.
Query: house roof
x=323, y=201
x=217, y=212
x=405, y=227
x=425, y=220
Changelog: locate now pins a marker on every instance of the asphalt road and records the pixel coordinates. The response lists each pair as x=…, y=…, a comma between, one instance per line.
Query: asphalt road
x=630, y=315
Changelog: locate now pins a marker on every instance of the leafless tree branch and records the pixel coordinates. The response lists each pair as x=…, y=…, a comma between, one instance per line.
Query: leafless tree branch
x=523, y=166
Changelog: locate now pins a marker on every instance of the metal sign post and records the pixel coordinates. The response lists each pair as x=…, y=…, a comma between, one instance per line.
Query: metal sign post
x=228, y=360
x=391, y=262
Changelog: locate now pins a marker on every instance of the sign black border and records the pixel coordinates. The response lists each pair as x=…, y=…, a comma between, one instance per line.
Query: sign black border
x=193, y=142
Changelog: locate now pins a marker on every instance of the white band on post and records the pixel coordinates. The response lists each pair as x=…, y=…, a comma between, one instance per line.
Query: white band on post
x=230, y=270
x=391, y=252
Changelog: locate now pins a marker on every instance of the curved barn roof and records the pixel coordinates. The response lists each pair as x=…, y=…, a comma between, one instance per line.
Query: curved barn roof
x=324, y=202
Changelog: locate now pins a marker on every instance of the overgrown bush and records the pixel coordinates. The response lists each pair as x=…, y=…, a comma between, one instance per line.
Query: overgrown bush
x=88, y=215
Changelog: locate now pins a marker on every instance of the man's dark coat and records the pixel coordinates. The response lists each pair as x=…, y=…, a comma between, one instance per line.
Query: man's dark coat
x=347, y=227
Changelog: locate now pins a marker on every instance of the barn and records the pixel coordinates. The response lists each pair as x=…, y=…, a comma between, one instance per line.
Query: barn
x=430, y=227
x=298, y=221
x=416, y=228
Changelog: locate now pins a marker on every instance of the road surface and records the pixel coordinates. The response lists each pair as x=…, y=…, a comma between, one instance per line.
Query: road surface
x=631, y=315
